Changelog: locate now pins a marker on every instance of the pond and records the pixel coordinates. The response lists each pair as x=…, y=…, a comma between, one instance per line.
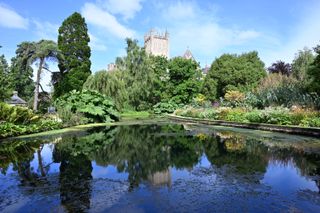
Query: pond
x=161, y=167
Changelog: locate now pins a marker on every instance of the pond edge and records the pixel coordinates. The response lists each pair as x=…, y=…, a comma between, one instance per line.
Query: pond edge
x=307, y=131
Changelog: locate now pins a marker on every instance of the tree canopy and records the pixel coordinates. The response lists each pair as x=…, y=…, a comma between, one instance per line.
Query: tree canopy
x=314, y=72
x=21, y=72
x=233, y=72
x=74, y=60
x=301, y=63
x=280, y=67
x=111, y=84
x=4, y=74
x=184, y=80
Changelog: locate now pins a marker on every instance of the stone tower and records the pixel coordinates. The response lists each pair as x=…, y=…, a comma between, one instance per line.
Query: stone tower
x=157, y=44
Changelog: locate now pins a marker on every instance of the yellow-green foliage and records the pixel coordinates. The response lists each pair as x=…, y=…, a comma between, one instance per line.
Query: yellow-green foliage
x=16, y=121
x=16, y=115
x=200, y=99
x=234, y=96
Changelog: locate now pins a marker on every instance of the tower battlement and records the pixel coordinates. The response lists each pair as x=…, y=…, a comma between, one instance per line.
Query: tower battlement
x=156, y=43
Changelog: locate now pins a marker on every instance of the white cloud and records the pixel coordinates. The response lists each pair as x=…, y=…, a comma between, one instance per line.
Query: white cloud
x=11, y=19
x=96, y=43
x=126, y=8
x=180, y=10
x=101, y=18
x=247, y=35
x=190, y=25
x=46, y=30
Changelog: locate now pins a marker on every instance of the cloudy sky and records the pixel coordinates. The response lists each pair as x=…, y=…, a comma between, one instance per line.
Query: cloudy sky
x=277, y=29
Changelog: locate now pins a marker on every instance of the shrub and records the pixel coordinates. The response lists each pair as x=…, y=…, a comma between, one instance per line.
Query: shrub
x=311, y=122
x=278, y=115
x=8, y=129
x=165, y=107
x=200, y=101
x=71, y=119
x=16, y=114
x=234, y=97
x=93, y=105
x=209, y=113
x=237, y=115
x=280, y=90
x=255, y=117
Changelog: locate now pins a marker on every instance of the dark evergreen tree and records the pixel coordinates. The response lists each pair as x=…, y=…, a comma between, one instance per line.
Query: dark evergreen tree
x=4, y=73
x=74, y=60
x=21, y=71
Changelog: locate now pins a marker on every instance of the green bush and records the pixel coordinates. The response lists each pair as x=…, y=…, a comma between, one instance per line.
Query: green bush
x=237, y=116
x=209, y=113
x=165, y=107
x=16, y=115
x=93, y=105
x=8, y=129
x=71, y=119
x=255, y=117
x=16, y=121
x=311, y=122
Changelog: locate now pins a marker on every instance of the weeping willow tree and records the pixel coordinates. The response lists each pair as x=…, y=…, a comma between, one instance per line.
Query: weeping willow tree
x=136, y=82
x=111, y=84
x=138, y=75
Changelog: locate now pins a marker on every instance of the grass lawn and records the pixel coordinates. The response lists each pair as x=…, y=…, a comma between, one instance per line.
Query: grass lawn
x=129, y=115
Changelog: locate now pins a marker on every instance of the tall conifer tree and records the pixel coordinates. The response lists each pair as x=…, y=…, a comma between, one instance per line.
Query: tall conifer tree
x=74, y=60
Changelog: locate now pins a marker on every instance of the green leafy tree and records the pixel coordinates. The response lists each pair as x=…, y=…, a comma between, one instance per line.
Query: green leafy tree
x=314, y=72
x=74, y=60
x=233, y=72
x=301, y=63
x=159, y=65
x=44, y=50
x=21, y=71
x=4, y=74
x=184, y=80
x=111, y=84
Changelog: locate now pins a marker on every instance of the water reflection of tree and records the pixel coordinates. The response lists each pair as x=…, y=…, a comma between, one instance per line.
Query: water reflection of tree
x=16, y=152
x=155, y=148
x=140, y=151
x=307, y=163
x=147, y=152
x=21, y=153
x=247, y=156
x=75, y=178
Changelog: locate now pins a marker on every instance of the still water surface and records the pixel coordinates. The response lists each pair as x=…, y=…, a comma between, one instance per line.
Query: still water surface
x=162, y=167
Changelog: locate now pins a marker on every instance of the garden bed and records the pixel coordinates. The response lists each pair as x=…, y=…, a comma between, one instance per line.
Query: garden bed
x=309, y=131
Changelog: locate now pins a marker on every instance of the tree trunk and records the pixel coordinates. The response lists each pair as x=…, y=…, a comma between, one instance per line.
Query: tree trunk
x=43, y=173
x=36, y=90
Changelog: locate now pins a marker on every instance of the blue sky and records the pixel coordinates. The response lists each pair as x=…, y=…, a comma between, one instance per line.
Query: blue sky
x=276, y=29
